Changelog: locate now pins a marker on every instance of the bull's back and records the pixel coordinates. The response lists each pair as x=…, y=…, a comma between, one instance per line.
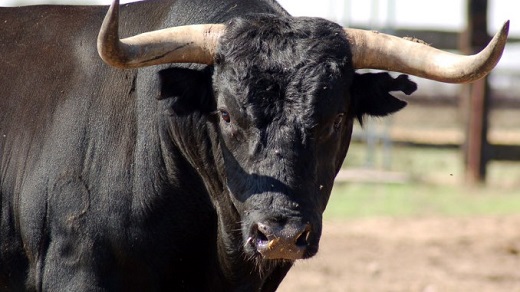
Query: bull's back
x=45, y=52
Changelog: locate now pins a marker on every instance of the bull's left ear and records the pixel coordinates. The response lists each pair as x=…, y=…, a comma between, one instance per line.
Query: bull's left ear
x=370, y=93
x=189, y=89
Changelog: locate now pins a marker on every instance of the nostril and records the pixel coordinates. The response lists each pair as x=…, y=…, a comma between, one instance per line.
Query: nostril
x=261, y=237
x=259, y=234
x=303, y=238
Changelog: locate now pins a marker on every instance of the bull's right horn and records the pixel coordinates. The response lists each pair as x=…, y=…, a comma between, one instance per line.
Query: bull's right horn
x=372, y=50
x=183, y=44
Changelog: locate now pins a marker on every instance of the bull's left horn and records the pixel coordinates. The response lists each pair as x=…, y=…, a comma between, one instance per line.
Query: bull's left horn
x=372, y=50
x=183, y=44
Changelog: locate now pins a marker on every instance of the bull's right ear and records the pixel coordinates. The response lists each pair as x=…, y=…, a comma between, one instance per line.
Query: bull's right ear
x=370, y=94
x=189, y=89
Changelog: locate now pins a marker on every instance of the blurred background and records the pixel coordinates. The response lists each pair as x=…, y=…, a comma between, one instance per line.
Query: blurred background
x=428, y=199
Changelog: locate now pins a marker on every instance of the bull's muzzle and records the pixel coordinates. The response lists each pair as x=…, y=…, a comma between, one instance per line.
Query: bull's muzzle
x=288, y=241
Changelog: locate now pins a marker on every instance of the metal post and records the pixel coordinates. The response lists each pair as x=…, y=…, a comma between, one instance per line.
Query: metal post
x=372, y=137
x=387, y=139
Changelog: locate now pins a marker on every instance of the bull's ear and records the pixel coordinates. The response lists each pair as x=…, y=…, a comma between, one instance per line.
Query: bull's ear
x=189, y=89
x=370, y=93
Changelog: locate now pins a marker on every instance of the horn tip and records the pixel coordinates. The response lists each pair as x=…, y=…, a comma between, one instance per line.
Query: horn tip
x=501, y=36
x=505, y=27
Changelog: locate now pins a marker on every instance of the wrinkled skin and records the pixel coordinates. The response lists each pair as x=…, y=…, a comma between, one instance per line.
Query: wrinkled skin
x=105, y=188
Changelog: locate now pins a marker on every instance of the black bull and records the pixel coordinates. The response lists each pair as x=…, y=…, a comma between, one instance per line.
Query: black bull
x=192, y=177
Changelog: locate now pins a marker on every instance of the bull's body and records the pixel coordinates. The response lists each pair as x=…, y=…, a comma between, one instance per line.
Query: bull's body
x=177, y=177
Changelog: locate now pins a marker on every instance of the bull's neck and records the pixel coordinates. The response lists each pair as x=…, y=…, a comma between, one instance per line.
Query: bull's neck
x=235, y=270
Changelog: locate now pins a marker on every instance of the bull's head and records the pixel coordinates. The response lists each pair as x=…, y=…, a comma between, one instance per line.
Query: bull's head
x=286, y=96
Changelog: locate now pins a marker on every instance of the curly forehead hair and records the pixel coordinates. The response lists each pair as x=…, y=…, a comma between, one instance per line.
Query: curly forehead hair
x=271, y=41
x=283, y=57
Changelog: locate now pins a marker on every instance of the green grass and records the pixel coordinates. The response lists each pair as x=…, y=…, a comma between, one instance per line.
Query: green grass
x=436, y=187
x=418, y=199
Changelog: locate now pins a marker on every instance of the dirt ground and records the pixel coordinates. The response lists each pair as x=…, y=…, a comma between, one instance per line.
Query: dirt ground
x=424, y=255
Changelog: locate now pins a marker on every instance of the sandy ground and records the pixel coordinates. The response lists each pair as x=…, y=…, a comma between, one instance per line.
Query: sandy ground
x=419, y=254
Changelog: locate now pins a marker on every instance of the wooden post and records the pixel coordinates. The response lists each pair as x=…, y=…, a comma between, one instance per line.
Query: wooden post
x=477, y=148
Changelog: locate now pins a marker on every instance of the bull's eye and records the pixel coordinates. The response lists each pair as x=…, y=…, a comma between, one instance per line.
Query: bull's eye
x=338, y=121
x=225, y=116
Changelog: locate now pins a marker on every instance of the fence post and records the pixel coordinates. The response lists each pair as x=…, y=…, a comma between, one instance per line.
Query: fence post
x=476, y=148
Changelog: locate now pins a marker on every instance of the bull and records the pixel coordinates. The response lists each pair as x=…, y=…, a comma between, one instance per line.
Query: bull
x=202, y=158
